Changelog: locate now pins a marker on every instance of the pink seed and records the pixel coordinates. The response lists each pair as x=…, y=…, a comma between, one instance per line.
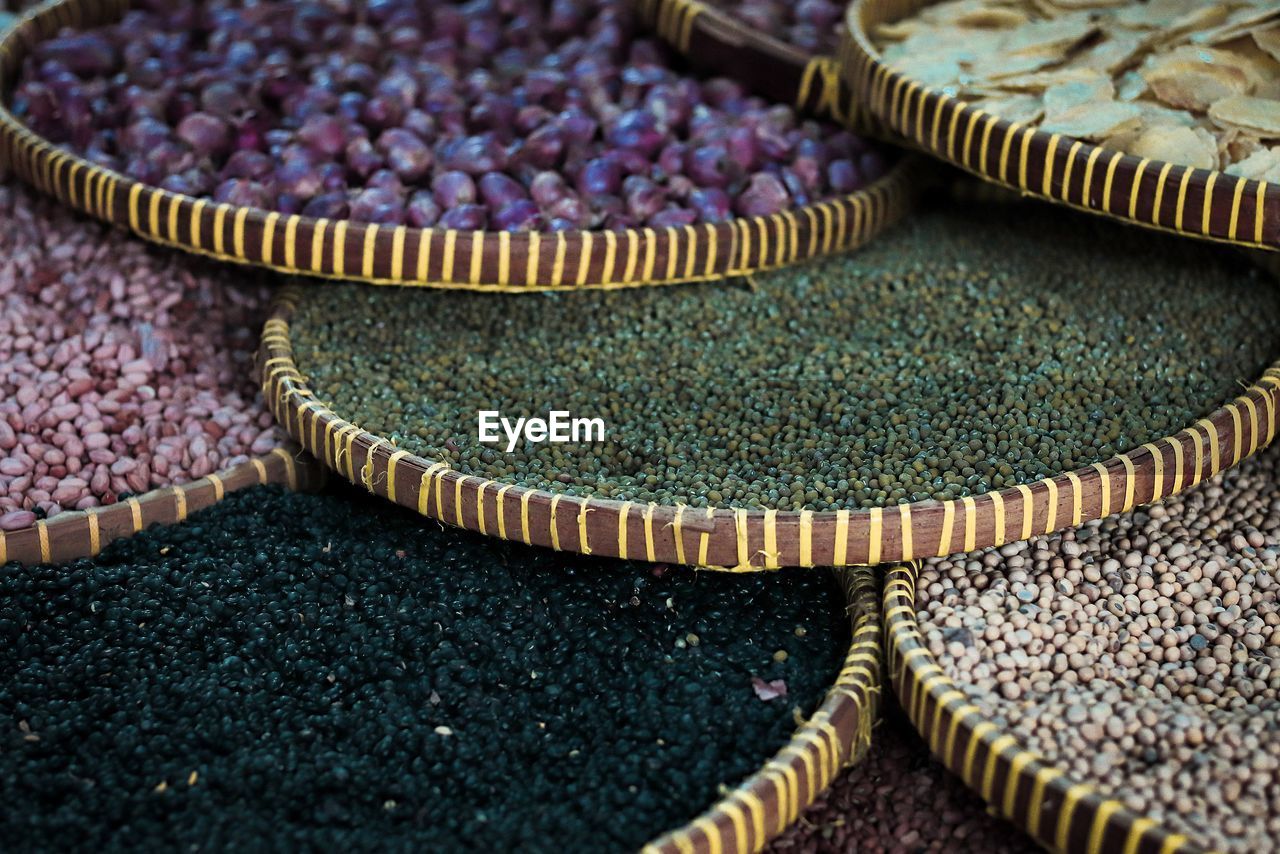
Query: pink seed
x=16, y=520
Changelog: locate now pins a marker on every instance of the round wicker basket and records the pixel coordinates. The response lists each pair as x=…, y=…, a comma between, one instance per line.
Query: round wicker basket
x=1195, y=202
x=84, y=533
x=744, y=540
x=1058, y=812
x=434, y=257
x=714, y=40
x=835, y=737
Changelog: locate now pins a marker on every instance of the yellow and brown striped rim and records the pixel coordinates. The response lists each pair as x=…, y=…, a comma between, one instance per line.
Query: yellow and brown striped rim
x=746, y=540
x=836, y=736
x=1060, y=813
x=432, y=257
x=716, y=41
x=84, y=533
x=1201, y=203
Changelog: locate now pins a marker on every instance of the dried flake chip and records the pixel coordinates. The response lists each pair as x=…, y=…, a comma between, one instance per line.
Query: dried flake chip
x=1131, y=86
x=1058, y=36
x=897, y=31
x=1192, y=82
x=1094, y=121
x=1073, y=5
x=1177, y=30
x=1038, y=81
x=771, y=690
x=992, y=19
x=1260, y=116
x=1268, y=40
x=1235, y=145
x=1238, y=23
x=1158, y=115
x=1021, y=108
x=1194, y=78
x=996, y=69
x=1114, y=54
x=1154, y=15
x=1063, y=96
x=1262, y=69
x=1262, y=165
x=1180, y=145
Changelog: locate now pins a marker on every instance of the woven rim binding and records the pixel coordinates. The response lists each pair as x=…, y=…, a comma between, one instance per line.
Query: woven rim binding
x=746, y=540
x=432, y=257
x=1203, y=203
x=1062, y=814
x=84, y=533
x=834, y=738
x=715, y=41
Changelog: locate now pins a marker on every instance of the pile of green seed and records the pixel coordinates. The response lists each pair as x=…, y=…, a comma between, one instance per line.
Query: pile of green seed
x=1139, y=654
x=319, y=673
x=959, y=353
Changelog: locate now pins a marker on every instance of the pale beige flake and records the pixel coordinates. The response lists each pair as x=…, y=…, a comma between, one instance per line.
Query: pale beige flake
x=1094, y=121
x=1192, y=78
x=1260, y=116
x=898, y=30
x=1096, y=87
x=1190, y=82
x=1268, y=40
x=1183, y=146
x=992, y=19
x=1021, y=108
x=1262, y=165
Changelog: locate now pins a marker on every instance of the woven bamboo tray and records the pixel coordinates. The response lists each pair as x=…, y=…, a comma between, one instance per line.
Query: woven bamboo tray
x=834, y=738
x=1200, y=203
x=1058, y=812
x=744, y=540
x=84, y=533
x=713, y=40
x=434, y=257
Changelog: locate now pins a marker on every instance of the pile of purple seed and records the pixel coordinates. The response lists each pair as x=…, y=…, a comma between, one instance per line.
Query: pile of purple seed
x=811, y=25
x=123, y=367
x=497, y=114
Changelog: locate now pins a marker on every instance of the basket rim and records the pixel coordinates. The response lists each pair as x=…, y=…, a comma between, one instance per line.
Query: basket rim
x=749, y=540
x=836, y=736
x=84, y=533
x=1206, y=204
x=496, y=261
x=712, y=36
x=1022, y=786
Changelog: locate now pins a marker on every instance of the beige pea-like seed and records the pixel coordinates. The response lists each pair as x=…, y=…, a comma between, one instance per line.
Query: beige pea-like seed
x=1169, y=699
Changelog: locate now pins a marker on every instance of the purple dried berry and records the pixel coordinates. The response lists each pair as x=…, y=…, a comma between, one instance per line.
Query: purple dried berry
x=453, y=189
x=764, y=195
x=406, y=154
x=464, y=218
x=324, y=134
x=422, y=210
x=378, y=205
x=519, y=215
x=600, y=176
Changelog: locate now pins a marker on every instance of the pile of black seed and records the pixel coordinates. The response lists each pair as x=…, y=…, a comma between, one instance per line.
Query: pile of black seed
x=289, y=672
x=957, y=354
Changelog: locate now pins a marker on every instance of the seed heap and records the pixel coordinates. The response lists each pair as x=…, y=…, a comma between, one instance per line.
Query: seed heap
x=122, y=367
x=323, y=672
x=1140, y=653
x=812, y=25
x=955, y=355
x=900, y=799
x=485, y=114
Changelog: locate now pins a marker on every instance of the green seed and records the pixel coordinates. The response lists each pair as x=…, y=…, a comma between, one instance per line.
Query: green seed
x=957, y=354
